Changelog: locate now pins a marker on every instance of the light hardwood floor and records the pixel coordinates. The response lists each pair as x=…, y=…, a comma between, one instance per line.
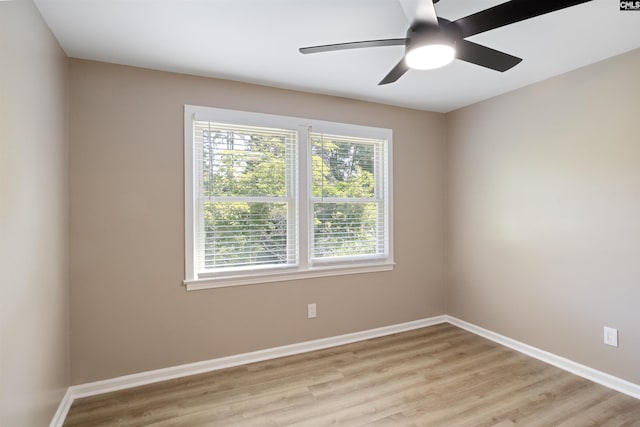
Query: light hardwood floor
x=436, y=376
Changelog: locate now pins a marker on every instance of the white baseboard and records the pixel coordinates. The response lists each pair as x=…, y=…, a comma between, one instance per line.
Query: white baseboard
x=63, y=409
x=591, y=374
x=149, y=377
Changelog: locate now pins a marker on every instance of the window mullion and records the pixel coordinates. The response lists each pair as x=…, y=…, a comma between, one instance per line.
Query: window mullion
x=304, y=205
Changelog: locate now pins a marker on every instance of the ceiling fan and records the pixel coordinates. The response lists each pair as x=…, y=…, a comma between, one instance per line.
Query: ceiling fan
x=432, y=42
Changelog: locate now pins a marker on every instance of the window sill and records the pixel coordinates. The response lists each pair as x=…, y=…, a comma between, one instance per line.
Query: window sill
x=280, y=276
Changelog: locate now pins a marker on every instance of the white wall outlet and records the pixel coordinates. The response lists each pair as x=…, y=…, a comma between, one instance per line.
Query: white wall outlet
x=311, y=311
x=611, y=336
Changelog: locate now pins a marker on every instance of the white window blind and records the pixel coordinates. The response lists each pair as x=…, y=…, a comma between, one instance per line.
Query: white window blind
x=349, y=194
x=246, y=213
x=271, y=198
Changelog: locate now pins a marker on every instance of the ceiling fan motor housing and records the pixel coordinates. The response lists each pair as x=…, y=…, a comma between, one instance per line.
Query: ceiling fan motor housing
x=423, y=34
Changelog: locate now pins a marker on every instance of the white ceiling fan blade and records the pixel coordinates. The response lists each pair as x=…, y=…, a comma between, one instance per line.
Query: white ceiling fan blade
x=419, y=11
x=409, y=9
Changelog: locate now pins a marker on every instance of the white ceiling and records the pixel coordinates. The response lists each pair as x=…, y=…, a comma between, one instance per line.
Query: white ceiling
x=257, y=41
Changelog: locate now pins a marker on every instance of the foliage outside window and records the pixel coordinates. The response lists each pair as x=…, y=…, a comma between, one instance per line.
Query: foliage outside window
x=275, y=198
x=347, y=196
x=246, y=206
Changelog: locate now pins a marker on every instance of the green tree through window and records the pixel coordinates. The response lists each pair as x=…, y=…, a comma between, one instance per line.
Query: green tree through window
x=245, y=182
x=271, y=196
x=345, y=202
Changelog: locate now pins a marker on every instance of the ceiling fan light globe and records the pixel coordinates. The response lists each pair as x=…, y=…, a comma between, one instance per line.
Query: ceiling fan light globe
x=429, y=57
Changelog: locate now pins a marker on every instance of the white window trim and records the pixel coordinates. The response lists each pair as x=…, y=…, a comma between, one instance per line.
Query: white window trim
x=304, y=269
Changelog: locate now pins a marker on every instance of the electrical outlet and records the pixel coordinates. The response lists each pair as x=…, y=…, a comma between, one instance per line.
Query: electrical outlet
x=311, y=311
x=611, y=336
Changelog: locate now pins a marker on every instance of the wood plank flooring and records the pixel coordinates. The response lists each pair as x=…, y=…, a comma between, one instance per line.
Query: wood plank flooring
x=436, y=376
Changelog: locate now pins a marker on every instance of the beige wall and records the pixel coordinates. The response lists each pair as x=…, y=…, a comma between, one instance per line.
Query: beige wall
x=545, y=214
x=34, y=328
x=129, y=312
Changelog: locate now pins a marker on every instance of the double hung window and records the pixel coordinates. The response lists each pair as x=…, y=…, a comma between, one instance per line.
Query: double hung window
x=271, y=198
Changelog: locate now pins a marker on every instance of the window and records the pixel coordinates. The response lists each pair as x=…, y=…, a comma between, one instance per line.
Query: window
x=347, y=195
x=245, y=203
x=271, y=198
